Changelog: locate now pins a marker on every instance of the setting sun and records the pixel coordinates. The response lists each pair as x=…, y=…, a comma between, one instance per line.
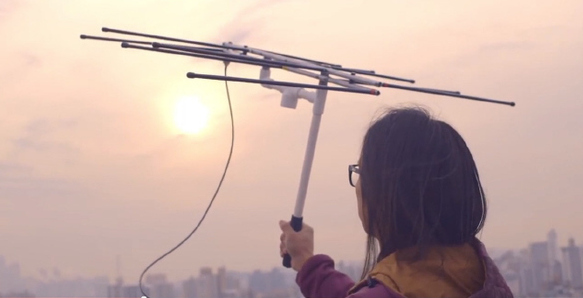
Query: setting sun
x=190, y=115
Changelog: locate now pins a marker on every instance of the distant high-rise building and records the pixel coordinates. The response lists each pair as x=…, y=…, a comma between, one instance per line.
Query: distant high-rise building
x=156, y=278
x=233, y=283
x=131, y=292
x=115, y=290
x=552, y=242
x=554, y=263
x=206, y=284
x=527, y=287
x=221, y=281
x=10, y=278
x=206, y=271
x=557, y=273
x=189, y=288
x=350, y=269
x=163, y=290
x=572, y=266
x=118, y=290
x=539, y=260
x=231, y=293
x=159, y=285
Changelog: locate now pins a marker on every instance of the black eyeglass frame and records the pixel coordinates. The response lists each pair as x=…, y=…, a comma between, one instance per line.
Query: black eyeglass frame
x=353, y=169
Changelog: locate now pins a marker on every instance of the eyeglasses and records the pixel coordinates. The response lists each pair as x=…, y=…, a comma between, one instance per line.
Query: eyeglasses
x=353, y=174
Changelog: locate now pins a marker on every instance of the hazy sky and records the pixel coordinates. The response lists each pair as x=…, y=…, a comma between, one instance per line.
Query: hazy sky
x=92, y=166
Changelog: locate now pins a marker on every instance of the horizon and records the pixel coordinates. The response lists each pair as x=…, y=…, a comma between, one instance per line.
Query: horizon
x=494, y=253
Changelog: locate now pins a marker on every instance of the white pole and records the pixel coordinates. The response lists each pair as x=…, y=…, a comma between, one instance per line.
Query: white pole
x=317, y=111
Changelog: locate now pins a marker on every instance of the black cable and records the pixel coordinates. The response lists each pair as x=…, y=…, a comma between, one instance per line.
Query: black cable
x=214, y=196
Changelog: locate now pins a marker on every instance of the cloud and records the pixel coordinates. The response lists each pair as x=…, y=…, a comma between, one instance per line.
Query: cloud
x=30, y=60
x=33, y=189
x=8, y=169
x=18, y=66
x=38, y=136
x=238, y=31
x=248, y=21
x=240, y=35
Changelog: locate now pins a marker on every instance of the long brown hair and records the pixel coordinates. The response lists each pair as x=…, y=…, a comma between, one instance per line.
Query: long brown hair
x=420, y=186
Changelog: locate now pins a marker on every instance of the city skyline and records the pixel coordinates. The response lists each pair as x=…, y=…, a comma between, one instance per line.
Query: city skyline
x=529, y=271
x=93, y=165
x=117, y=263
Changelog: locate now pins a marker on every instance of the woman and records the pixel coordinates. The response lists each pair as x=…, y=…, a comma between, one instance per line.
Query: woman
x=421, y=204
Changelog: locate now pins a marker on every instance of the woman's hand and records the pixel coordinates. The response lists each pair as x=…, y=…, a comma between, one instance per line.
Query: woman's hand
x=299, y=245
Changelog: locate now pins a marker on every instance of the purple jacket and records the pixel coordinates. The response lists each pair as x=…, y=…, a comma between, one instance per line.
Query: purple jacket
x=319, y=279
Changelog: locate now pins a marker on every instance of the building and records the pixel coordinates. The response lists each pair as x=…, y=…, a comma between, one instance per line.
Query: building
x=233, y=283
x=354, y=272
x=189, y=288
x=25, y=294
x=118, y=290
x=552, y=242
x=207, y=284
x=555, y=266
x=10, y=278
x=539, y=260
x=165, y=290
x=156, y=278
x=221, y=281
x=160, y=287
x=527, y=286
x=131, y=292
x=572, y=265
x=231, y=293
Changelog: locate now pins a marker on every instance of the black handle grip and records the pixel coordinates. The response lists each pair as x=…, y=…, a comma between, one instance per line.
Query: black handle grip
x=296, y=223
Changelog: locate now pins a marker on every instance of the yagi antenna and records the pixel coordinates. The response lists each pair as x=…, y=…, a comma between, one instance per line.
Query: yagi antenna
x=347, y=80
x=230, y=52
